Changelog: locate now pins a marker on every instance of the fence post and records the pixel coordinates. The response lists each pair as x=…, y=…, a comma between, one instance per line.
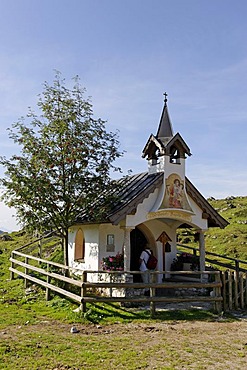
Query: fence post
x=26, y=273
x=111, y=275
x=12, y=266
x=236, y=274
x=152, y=294
x=48, y=279
x=241, y=290
x=237, y=268
x=230, y=288
x=218, y=305
x=83, y=291
x=223, y=289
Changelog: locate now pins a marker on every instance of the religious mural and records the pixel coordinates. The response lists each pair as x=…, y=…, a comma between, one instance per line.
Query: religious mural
x=175, y=192
x=175, y=195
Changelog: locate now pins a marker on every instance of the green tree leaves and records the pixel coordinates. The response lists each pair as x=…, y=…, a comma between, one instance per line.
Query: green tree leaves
x=65, y=160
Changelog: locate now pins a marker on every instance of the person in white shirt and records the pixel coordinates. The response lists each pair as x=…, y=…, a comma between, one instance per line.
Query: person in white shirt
x=143, y=267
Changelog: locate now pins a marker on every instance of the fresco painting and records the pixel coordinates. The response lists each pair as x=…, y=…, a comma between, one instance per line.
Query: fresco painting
x=175, y=194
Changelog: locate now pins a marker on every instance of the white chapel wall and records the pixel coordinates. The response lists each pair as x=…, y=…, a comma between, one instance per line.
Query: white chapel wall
x=91, y=235
x=142, y=210
x=106, y=250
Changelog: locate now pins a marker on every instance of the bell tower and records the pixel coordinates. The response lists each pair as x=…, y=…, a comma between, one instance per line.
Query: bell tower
x=166, y=153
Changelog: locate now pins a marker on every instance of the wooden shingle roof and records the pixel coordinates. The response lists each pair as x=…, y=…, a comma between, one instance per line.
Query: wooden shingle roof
x=134, y=189
x=134, y=192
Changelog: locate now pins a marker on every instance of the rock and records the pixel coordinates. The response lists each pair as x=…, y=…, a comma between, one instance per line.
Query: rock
x=6, y=237
x=74, y=330
x=230, y=198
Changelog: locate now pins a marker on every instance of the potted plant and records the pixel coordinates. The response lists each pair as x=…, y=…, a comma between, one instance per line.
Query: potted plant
x=185, y=261
x=113, y=263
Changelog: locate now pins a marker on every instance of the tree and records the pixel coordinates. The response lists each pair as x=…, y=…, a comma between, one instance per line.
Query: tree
x=65, y=161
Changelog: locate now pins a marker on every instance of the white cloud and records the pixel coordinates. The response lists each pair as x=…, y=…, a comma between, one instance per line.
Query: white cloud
x=8, y=220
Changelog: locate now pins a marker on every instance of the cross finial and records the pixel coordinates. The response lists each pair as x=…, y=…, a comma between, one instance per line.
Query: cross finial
x=165, y=95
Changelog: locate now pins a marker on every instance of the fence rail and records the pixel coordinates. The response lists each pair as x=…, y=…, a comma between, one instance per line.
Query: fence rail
x=39, y=271
x=228, y=288
x=229, y=262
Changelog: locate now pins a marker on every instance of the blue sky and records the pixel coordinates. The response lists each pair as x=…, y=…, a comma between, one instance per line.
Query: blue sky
x=127, y=54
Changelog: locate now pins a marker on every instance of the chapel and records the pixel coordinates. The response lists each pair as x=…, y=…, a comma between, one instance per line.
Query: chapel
x=152, y=206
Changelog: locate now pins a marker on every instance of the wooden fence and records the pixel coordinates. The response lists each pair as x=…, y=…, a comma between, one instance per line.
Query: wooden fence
x=219, y=260
x=228, y=289
x=81, y=290
x=234, y=290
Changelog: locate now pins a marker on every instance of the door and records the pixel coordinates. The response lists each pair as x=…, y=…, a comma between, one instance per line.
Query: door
x=137, y=244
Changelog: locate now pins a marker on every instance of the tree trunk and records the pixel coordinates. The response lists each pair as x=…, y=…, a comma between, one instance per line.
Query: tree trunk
x=65, y=250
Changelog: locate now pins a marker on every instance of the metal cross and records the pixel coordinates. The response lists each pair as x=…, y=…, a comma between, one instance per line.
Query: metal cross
x=165, y=95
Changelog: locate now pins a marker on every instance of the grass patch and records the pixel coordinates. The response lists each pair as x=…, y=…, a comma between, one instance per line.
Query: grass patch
x=231, y=241
x=35, y=334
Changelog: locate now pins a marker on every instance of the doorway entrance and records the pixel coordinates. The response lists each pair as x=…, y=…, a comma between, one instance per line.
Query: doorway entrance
x=137, y=244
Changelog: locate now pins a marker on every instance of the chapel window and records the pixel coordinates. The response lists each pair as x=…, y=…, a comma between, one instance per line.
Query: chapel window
x=79, y=245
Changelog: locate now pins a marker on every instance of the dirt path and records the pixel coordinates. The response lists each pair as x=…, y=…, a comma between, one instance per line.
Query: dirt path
x=167, y=345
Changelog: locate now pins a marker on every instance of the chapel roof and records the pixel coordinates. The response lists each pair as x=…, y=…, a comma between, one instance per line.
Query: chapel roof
x=129, y=192
x=138, y=187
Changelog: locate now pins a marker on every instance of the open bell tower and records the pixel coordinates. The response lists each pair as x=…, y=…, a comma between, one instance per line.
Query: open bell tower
x=167, y=153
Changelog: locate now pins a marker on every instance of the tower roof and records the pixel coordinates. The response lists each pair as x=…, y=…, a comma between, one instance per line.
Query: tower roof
x=165, y=142
x=165, y=130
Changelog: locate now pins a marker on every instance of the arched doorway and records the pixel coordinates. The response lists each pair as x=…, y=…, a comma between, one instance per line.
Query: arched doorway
x=137, y=244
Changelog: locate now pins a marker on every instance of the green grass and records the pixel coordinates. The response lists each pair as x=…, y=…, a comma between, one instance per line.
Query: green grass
x=231, y=241
x=148, y=347
x=35, y=334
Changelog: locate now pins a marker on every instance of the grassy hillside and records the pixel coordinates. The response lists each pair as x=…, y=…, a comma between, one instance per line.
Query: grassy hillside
x=231, y=241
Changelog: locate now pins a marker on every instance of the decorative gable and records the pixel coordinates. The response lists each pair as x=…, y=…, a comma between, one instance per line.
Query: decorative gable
x=176, y=148
x=153, y=149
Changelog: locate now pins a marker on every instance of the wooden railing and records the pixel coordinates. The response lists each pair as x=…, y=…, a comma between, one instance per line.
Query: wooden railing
x=40, y=271
x=234, y=290
x=154, y=287
x=37, y=246
x=228, y=262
